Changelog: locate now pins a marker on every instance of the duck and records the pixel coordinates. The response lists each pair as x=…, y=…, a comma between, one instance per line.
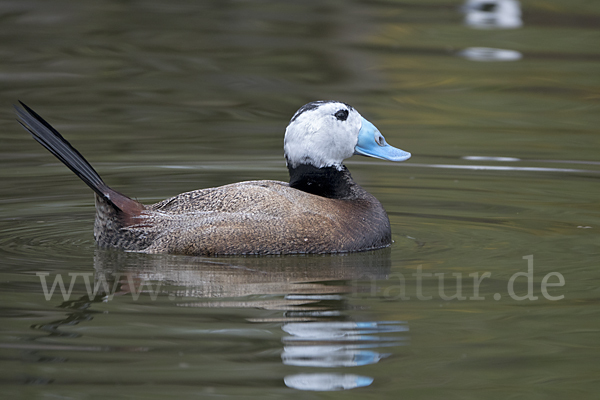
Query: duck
x=320, y=210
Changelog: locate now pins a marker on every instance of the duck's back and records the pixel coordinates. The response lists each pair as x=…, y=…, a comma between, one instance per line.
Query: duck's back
x=263, y=217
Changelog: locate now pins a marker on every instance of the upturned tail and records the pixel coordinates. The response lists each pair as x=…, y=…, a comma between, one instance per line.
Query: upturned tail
x=53, y=141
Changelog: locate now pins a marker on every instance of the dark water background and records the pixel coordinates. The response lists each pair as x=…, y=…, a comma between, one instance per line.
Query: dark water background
x=165, y=97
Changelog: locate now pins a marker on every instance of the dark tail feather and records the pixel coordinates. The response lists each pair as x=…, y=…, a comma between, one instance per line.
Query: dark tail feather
x=53, y=141
x=48, y=137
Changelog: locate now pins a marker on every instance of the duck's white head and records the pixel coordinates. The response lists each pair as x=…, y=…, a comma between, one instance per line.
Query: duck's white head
x=325, y=133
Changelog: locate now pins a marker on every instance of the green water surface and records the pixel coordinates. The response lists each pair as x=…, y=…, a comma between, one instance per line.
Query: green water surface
x=490, y=291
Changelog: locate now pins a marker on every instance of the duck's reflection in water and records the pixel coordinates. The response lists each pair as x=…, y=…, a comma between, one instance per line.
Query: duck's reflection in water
x=312, y=292
x=282, y=283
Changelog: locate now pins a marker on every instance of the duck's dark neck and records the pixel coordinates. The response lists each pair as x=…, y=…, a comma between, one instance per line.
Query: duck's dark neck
x=326, y=182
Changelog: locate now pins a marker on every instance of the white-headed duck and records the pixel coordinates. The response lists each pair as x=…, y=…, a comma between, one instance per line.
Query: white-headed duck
x=321, y=209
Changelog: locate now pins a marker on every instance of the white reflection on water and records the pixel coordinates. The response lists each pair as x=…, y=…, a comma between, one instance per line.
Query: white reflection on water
x=493, y=14
x=490, y=54
x=334, y=344
x=514, y=159
x=326, y=382
x=501, y=167
x=483, y=158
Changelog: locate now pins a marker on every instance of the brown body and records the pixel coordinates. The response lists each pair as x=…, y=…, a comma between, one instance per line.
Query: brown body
x=256, y=217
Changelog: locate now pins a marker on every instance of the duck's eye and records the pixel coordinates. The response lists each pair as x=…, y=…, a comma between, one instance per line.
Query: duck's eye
x=380, y=140
x=341, y=115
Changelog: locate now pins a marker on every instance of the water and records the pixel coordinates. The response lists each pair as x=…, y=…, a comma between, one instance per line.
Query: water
x=490, y=289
